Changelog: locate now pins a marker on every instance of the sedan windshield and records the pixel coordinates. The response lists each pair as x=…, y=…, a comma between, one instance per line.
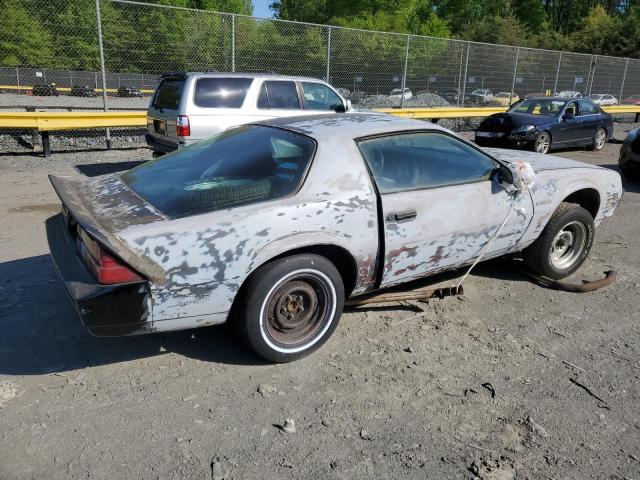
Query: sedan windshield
x=244, y=165
x=539, y=106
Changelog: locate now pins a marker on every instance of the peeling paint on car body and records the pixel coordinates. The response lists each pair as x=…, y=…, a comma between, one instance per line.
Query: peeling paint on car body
x=197, y=264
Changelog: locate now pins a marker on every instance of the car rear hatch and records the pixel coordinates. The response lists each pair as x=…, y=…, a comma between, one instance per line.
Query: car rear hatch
x=98, y=209
x=162, y=115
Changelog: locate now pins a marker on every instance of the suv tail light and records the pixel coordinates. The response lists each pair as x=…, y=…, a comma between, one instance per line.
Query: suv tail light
x=182, y=126
x=106, y=269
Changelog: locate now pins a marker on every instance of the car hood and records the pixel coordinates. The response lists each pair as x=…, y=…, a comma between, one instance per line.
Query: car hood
x=538, y=161
x=516, y=119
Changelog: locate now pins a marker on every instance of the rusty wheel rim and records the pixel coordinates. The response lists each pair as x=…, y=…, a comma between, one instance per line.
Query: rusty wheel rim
x=298, y=311
x=568, y=245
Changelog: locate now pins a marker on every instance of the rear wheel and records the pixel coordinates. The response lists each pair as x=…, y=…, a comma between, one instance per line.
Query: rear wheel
x=290, y=307
x=564, y=244
x=599, y=139
x=542, y=143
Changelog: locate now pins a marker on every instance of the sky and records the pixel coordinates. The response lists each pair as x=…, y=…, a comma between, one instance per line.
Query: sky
x=261, y=8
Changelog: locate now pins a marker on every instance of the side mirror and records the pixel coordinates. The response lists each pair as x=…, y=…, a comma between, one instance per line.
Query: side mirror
x=568, y=116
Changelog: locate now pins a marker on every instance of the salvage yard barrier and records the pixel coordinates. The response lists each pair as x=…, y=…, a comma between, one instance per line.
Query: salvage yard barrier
x=64, y=89
x=45, y=122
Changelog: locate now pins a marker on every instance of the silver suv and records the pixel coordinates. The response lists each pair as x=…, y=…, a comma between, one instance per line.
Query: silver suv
x=187, y=107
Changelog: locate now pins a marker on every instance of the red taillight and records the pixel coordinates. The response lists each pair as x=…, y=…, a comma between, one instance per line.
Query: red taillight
x=107, y=269
x=182, y=126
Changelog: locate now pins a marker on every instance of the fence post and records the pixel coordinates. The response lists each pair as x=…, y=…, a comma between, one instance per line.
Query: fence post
x=515, y=73
x=102, y=69
x=233, y=43
x=592, y=74
x=460, y=73
x=18, y=76
x=555, y=85
x=328, y=53
x=624, y=77
x=464, y=78
x=404, y=75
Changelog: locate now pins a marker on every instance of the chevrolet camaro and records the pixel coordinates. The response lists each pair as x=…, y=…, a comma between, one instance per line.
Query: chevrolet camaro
x=272, y=225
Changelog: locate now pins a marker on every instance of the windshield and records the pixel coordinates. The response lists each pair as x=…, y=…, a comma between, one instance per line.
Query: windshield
x=534, y=106
x=239, y=166
x=478, y=92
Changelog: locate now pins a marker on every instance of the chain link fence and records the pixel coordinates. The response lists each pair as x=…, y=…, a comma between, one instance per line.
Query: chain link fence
x=45, y=42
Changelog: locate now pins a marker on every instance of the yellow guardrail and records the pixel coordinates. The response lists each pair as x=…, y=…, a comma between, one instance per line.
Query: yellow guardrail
x=475, y=112
x=64, y=89
x=442, y=112
x=56, y=121
x=46, y=122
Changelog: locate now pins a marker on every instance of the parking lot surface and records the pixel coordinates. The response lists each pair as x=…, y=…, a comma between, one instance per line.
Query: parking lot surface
x=512, y=381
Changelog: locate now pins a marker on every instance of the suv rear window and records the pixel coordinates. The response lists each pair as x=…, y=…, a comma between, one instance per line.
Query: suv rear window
x=221, y=92
x=243, y=165
x=168, y=93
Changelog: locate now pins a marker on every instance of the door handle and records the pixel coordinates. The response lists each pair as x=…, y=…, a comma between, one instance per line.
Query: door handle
x=402, y=216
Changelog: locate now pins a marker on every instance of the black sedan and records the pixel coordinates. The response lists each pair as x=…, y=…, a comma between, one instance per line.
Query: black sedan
x=543, y=123
x=629, y=161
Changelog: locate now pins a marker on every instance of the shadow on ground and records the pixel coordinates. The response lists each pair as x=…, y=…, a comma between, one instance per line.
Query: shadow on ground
x=42, y=334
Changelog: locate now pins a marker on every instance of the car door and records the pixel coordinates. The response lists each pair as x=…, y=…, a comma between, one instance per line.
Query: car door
x=569, y=126
x=439, y=203
x=590, y=120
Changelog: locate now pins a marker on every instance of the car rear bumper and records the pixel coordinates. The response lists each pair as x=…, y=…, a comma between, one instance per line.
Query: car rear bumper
x=156, y=145
x=105, y=310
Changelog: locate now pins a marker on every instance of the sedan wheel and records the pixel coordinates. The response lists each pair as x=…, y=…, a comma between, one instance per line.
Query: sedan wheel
x=542, y=143
x=290, y=307
x=599, y=139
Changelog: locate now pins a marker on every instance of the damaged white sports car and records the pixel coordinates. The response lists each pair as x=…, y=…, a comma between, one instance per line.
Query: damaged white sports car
x=273, y=225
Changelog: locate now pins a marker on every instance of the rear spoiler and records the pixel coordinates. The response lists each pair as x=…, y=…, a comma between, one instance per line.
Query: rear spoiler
x=76, y=205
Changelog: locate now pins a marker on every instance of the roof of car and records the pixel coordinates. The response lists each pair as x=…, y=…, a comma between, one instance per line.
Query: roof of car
x=348, y=126
x=252, y=75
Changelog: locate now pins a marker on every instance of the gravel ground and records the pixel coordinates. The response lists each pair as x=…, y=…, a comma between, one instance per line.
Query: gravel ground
x=511, y=381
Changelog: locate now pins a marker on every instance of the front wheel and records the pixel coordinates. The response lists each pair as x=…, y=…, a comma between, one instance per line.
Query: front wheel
x=563, y=245
x=599, y=139
x=542, y=143
x=290, y=307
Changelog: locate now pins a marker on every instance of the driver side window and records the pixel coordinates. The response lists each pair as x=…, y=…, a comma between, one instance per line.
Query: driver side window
x=319, y=97
x=416, y=161
x=572, y=109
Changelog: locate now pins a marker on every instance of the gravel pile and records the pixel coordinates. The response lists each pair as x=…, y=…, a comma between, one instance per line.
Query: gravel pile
x=420, y=100
x=21, y=101
x=20, y=141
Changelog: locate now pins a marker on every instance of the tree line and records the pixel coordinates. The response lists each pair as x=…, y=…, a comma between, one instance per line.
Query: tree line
x=137, y=38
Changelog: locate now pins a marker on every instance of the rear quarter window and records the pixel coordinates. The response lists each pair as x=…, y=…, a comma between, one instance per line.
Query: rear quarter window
x=221, y=92
x=244, y=165
x=168, y=93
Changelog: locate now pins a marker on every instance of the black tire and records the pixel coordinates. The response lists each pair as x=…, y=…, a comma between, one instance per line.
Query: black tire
x=542, y=143
x=599, y=140
x=630, y=174
x=281, y=287
x=558, y=263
